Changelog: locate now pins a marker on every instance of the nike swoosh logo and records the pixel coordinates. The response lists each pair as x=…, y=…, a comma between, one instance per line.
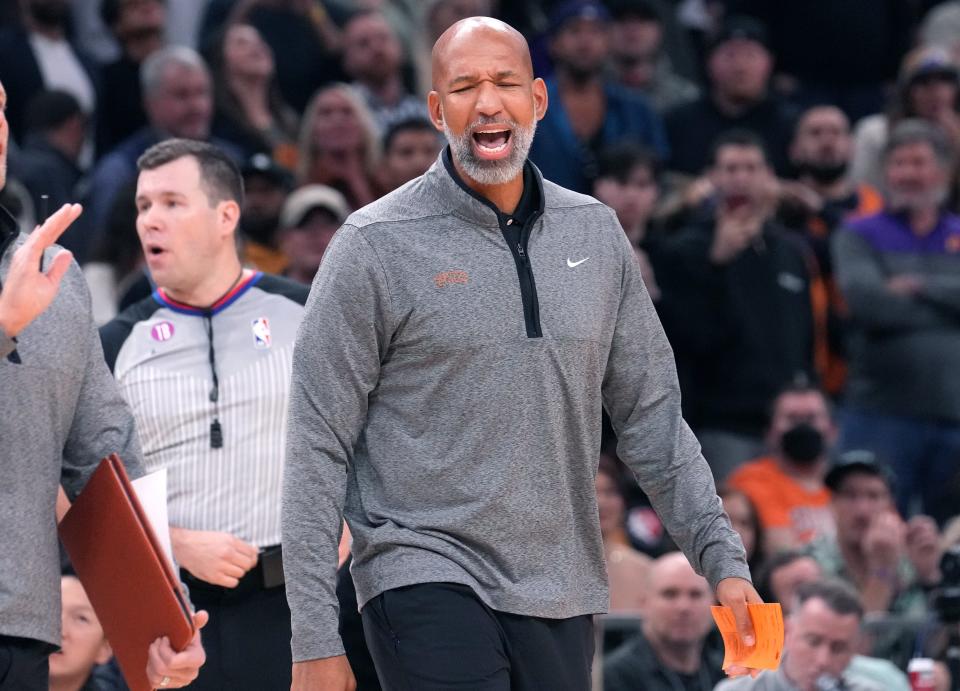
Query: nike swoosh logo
x=573, y=264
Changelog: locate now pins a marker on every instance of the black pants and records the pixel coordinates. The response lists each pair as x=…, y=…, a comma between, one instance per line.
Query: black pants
x=23, y=664
x=440, y=636
x=247, y=640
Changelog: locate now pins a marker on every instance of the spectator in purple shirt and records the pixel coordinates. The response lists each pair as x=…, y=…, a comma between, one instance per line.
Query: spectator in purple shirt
x=899, y=271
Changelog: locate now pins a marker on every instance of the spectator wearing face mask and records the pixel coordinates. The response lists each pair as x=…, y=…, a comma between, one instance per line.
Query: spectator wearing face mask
x=786, y=485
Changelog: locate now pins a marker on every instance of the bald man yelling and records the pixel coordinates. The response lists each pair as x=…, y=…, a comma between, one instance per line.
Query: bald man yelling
x=461, y=337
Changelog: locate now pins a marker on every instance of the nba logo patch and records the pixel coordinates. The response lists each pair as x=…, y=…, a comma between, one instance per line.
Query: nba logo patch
x=261, y=333
x=162, y=331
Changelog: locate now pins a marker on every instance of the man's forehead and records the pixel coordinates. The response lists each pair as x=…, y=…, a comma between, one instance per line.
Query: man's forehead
x=174, y=176
x=816, y=614
x=480, y=41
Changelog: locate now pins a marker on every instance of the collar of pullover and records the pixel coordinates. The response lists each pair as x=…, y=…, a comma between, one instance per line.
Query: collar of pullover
x=8, y=230
x=467, y=204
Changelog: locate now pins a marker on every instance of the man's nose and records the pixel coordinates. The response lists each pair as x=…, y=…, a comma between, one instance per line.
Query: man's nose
x=489, y=102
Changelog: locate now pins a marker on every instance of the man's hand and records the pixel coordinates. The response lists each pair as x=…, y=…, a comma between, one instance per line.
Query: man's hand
x=923, y=549
x=737, y=593
x=168, y=669
x=735, y=230
x=218, y=558
x=905, y=285
x=27, y=291
x=884, y=543
x=796, y=194
x=325, y=674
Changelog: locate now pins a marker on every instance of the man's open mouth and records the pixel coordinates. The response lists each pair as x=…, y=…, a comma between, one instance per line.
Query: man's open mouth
x=493, y=140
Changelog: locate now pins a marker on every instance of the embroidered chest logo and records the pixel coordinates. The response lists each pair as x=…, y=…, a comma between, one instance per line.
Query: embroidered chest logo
x=261, y=333
x=162, y=331
x=445, y=278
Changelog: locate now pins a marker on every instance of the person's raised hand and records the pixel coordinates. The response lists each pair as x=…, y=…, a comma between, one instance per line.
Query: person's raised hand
x=884, y=542
x=169, y=669
x=735, y=230
x=213, y=557
x=325, y=674
x=28, y=290
x=923, y=549
x=737, y=593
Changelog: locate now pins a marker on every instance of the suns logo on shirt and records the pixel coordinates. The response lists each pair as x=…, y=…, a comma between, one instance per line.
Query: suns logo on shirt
x=445, y=278
x=261, y=333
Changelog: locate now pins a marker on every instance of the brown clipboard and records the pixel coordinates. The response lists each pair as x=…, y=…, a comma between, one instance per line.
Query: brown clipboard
x=131, y=584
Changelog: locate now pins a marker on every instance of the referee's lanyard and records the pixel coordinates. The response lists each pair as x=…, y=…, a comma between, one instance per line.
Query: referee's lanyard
x=216, y=429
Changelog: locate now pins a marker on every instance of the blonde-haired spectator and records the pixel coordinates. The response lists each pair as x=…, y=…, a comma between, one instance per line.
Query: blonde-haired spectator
x=339, y=146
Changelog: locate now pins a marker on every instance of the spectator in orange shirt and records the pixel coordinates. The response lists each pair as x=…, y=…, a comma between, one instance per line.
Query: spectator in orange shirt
x=787, y=485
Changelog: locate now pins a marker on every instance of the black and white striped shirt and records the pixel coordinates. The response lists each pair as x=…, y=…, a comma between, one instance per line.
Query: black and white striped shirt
x=159, y=351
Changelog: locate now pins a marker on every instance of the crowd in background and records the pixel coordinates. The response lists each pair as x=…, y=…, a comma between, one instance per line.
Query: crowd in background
x=787, y=173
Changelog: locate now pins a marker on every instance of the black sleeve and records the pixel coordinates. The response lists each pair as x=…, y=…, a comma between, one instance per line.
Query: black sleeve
x=278, y=285
x=114, y=333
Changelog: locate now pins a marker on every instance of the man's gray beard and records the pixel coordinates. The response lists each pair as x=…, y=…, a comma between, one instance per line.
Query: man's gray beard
x=491, y=172
x=908, y=203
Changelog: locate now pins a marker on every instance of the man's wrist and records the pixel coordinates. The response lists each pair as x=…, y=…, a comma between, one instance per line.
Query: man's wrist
x=885, y=575
x=7, y=328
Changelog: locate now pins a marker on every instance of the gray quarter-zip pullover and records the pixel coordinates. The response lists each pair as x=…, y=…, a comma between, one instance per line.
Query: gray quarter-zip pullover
x=61, y=413
x=447, y=396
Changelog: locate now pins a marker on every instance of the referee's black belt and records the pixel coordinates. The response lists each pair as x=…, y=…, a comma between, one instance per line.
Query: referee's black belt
x=267, y=574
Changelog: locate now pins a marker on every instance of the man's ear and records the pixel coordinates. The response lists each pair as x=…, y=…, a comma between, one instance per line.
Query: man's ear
x=435, y=110
x=228, y=216
x=540, y=99
x=104, y=653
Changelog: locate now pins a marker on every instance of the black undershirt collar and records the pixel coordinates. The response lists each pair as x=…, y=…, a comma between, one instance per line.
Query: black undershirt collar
x=531, y=200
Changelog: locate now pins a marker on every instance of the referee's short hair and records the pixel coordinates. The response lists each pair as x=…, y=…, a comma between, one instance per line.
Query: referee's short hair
x=219, y=175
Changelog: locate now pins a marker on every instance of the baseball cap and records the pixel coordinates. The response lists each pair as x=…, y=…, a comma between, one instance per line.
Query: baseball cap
x=309, y=198
x=928, y=60
x=263, y=164
x=857, y=460
x=577, y=9
x=740, y=28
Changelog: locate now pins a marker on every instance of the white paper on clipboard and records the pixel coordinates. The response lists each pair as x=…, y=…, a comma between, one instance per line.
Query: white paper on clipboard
x=152, y=492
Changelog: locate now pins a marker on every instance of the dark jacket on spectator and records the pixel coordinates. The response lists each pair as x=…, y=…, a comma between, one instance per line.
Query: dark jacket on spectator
x=904, y=351
x=570, y=162
x=120, y=110
x=693, y=128
x=44, y=170
x=21, y=76
x=634, y=666
x=741, y=331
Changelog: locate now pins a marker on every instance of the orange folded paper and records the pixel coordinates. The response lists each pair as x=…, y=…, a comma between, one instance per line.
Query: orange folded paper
x=767, y=626
x=129, y=580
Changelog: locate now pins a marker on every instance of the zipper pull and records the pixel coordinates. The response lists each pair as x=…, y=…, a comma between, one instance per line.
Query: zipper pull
x=523, y=255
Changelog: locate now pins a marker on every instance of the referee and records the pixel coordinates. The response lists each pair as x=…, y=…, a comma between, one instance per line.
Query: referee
x=205, y=363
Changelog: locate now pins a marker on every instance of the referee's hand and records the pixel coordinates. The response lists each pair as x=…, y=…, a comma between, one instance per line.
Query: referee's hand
x=213, y=557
